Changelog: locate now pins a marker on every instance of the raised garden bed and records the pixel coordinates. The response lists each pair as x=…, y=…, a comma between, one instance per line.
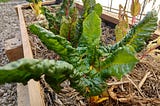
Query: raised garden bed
x=33, y=94
x=37, y=94
x=128, y=85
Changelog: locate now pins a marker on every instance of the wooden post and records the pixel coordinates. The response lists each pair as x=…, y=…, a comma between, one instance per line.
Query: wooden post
x=22, y=95
x=32, y=91
x=13, y=49
x=35, y=93
x=27, y=51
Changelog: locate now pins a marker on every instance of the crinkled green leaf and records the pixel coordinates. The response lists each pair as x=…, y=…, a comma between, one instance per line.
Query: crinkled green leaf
x=64, y=29
x=68, y=28
x=88, y=86
x=24, y=69
x=88, y=4
x=91, y=36
x=53, y=22
x=53, y=42
x=88, y=83
x=119, y=63
x=140, y=33
x=66, y=10
x=98, y=9
x=91, y=30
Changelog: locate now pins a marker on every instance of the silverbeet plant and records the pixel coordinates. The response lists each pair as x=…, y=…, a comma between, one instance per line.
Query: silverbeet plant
x=67, y=22
x=88, y=64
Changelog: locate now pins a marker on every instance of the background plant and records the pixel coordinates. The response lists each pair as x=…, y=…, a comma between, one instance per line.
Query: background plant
x=67, y=22
x=135, y=10
x=123, y=26
x=36, y=6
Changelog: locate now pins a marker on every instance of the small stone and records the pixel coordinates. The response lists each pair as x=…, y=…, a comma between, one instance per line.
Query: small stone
x=1, y=92
x=8, y=86
x=5, y=94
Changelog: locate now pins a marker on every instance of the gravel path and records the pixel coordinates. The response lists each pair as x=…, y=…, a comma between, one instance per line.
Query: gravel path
x=9, y=28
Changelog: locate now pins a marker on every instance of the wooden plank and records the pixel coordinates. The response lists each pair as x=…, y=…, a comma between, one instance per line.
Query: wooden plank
x=14, y=54
x=110, y=17
x=27, y=51
x=22, y=95
x=13, y=49
x=24, y=35
x=35, y=93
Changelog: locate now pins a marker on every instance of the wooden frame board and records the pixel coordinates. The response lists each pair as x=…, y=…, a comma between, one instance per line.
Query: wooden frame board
x=31, y=94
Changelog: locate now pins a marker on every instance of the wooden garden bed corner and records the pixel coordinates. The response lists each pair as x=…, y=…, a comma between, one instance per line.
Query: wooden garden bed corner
x=31, y=94
x=13, y=52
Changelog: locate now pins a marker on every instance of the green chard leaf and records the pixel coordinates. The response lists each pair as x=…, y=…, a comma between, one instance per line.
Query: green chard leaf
x=91, y=36
x=68, y=30
x=53, y=42
x=98, y=9
x=89, y=84
x=91, y=30
x=119, y=63
x=53, y=22
x=69, y=26
x=25, y=69
x=88, y=4
x=140, y=33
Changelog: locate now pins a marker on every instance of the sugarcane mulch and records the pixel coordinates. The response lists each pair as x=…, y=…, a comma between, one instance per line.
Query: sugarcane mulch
x=141, y=87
